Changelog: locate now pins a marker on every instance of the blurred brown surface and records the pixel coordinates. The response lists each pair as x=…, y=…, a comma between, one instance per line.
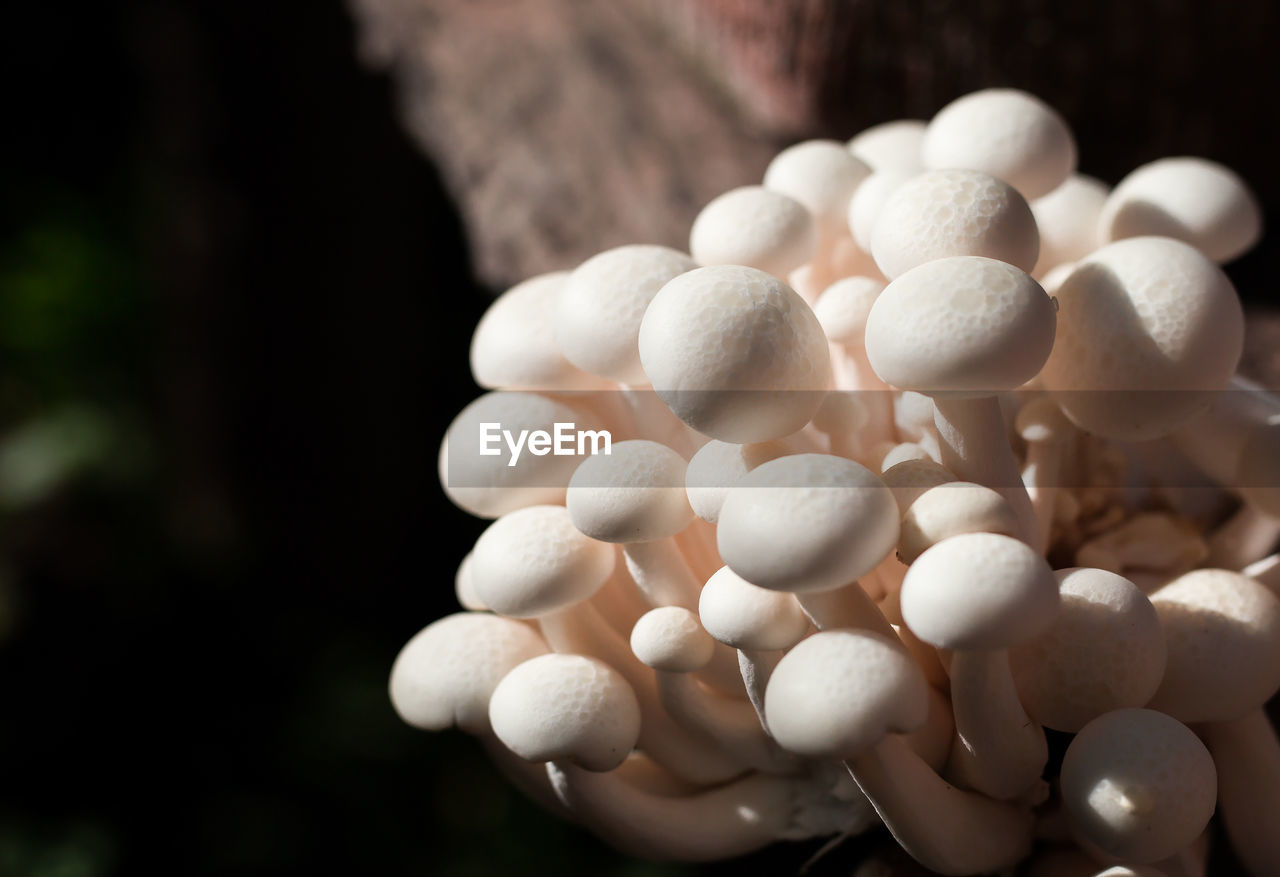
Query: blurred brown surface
x=562, y=127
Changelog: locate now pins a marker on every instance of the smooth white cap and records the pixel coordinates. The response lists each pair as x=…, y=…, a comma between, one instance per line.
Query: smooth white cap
x=954, y=212
x=464, y=588
x=908, y=480
x=1146, y=326
x=964, y=324
x=717, y=466
x=867, y=202
x=820, y=174
x=979, y=591
x=1006, y=133
x=1138, y=785
x=566, y=707
x=757, y=227
x=891, y=146
x=533, y=562
x=633, y=494
x=671, y=639
x=735, y=353
x=1222, y=630
x=745, y=616
x=843, y=308
x=1105, y=651
x=598, y=313
x=445, y=675
x=1067, y=219
x=807, y=522
x=1192, y=199
x=840, y=692
x=949, y=510
x=514, y=345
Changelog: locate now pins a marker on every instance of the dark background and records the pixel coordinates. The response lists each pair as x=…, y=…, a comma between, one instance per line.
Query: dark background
x=235, y=305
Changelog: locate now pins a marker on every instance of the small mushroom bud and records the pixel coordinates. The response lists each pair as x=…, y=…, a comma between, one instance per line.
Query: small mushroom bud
x=822, y=175
x=949, y=510
x=891, y=146
x=1138, y=785
x=756, y=227
x=1067, y=219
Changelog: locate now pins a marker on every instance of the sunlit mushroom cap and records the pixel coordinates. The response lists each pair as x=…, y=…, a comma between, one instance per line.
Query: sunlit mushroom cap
x=671, y=639
x=840, y=692
x=566, y=707
x=1067, y=219
x=1138, y=785
x=949, y=510
x=843, y=308
x=535, y=561
x=757, y=227
x=745, y=616
x=446, y=674
x=633, y=494
x=601, y=304
x=1222, y=630
x=735, y=353
x=717, y=466
x=979, y=591
x=820, y=174
x=965, y=324
x=891, y=146
x=807, y=522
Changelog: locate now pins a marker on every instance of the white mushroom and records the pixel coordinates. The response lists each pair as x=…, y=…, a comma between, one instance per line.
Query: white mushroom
x=822, y=175
x=1191, y=199
x=891, y=146
x=1067, y=219
x=1009, y=134
x=949, y=510
x=869, y=200
x=756, y=227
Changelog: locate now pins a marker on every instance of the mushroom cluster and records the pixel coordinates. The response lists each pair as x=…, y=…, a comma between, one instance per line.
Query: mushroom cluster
x=927, y=445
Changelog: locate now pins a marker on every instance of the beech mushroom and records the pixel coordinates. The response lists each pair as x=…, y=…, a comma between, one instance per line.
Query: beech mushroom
x=891, y=146
x=949, y=510
x=756, y=227
x=1138, y=785
x=978, y=594
x=868, y=200
x=1067, y=219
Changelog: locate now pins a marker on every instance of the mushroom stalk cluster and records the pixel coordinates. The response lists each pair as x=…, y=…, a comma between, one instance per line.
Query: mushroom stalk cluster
x=928, y=445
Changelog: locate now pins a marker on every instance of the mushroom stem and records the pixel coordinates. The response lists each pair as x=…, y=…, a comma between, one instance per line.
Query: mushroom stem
x=1247, y=536
x=998, y=750
x=720, y=823
x=943, y=828
x=580, y=630
x=1246, y=752
x=1266, y=572
x=732, y=724
x=844, y=608
x=659, y=570
x=974, y=445
x=1213, y=441
x=756, y=666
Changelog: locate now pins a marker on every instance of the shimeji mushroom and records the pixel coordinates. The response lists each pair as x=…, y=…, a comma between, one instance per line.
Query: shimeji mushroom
x=756, y=227
x=962, y=330
x=735, y=353
x=842, y=311
x=1104, y=651
x=867, y=202
x=1047, y=468
x=1148, y=330
x=811, y=524
x=950, y=510
x=891, y=146
x=849, y=695
x=1006, y=133
x=955, y=212
x=979, y=594
x=1191, y=199
x=1247, y=754
x=1067, y=219
x=717, y=466
x=1138, y=785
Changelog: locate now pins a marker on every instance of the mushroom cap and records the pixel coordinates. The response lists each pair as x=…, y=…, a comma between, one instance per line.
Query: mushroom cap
x=1191, y=199
x=1146, y=327
x=953, y=213
x=533, y=562
x=601, y=304
x=486, y=486
x=1222, y=630
x=464, y=587
x=979, y=591
x=900, y=453
x=1105, y=651
x=950, y=510
x=717, y=466
x=807, y=522
x=633, y=494
x=1257, y=474
x=757, y=227
x=1007, y=133
x=514, y=345
x=963, y=324
x=867, y=202
x=1067, y=219
x=748, y=617
x=566, y=707
x=446, y=673
x=820, y=174
x=671, y=639
x=843, y=308
x=909, y=479
x=839, y=692
x=735, y=353
x=891, y=146
x=1138, y=785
